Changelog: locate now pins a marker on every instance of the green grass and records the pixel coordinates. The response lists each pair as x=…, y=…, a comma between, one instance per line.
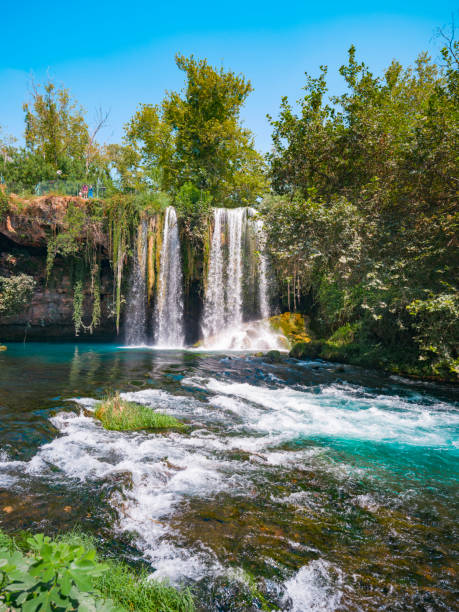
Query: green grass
x=119, y=415
x=127, y=588
x=135, y=591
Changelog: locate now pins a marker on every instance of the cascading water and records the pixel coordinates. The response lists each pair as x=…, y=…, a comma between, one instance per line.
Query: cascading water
x=214, y=303
x=237, y=236
x=235, y=219
x=136, y=319
x=223, y=297
x=263, y=292
x=168, y=316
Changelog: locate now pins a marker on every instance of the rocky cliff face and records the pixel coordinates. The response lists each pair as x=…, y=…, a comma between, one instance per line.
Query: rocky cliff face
x=24, y=236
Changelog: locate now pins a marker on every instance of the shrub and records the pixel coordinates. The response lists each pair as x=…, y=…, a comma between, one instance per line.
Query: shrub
x=115, y=587
x=119, y=415
x=50, y=576
x=15, y=293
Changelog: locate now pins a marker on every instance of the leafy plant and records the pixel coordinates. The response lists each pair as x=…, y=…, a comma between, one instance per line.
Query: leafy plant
x=52, y=576
x=15, y=293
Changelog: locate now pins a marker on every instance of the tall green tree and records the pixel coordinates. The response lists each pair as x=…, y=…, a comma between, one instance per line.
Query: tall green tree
x=55, y=127
x=367, y=221
x=196, y=136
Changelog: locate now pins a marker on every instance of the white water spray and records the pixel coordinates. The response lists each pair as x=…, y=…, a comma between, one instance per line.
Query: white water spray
x=169, y=328
x=236, y=237
x=136, y=319
x=214, y=304
x=263, y=290
x=235, y=218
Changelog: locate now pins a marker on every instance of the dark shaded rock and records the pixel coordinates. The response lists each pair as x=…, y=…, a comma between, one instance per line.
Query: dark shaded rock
x=307, y=350
x=273, y=357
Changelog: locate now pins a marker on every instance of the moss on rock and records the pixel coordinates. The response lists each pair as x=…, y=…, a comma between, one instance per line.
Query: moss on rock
x=292, y=325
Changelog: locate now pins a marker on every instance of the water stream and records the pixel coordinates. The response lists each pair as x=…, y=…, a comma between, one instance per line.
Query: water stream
x=136, y=303
x=301, y=485
x=168, y=316
x=227, y=322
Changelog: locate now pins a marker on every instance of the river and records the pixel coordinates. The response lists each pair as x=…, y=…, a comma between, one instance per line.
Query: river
x=301, y=485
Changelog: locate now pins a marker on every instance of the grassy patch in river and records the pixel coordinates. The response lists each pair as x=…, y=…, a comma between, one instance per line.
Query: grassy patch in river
x=120, y=415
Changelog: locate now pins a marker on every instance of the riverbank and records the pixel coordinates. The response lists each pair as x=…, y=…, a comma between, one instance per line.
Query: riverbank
x=345, y=346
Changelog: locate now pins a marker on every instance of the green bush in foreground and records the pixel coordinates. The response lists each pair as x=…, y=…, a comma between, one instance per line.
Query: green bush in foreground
x=50, y=576
x=119, y=415
x=40, y=574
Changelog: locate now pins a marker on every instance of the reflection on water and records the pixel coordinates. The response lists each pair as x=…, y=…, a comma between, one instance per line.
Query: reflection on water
x=300, y=485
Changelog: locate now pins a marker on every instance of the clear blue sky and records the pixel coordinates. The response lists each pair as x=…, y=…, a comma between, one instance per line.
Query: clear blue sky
x=117, y=54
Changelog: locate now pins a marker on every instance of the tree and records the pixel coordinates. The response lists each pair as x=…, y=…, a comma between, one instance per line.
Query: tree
x=56, y=130
x=365, y=229
x=196, y=136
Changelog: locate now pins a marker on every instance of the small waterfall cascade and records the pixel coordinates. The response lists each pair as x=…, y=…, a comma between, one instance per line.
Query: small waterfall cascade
x=214, y=316
x=223, y=297
x=263, y=286
x=136, y=307
x=168, y=314
x=236, y=219
x=237, y=286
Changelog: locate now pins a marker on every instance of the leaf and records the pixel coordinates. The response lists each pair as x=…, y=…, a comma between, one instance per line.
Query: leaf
x=31, y=605
x=66, y=584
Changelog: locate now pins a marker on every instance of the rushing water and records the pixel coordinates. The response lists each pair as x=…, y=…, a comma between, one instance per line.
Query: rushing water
x=263, y=285
x=136, y=306
x=226, y=314
x=302, y=485
x=169, y=330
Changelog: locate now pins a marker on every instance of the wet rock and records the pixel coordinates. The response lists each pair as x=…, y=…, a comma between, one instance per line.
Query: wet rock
x=273, y=357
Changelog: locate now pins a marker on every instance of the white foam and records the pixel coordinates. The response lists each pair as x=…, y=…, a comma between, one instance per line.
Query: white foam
x=316, y=586
x=340, y=411
x=253, y=336
x=157, y=473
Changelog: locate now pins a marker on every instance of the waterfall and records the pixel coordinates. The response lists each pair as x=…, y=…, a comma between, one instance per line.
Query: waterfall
x=214, y=303
x=263, y=291
x=136, y=317
x=235, y=218
x=223, y=297
x=230, y=299
x=168, y=315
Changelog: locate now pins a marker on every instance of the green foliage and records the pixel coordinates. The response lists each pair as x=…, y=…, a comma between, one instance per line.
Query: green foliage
x=15, y=293
x=136, y=591
x=436, y=321
x=70, y=239
x=306, y=350
x=119, y=415
x=4, y=204
x=55, y=126
x=22, y=170
x=113, y=585
x=196, y=137
x=78, y=304
x=193, y=207
x=51, y=576
x=364, y=229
